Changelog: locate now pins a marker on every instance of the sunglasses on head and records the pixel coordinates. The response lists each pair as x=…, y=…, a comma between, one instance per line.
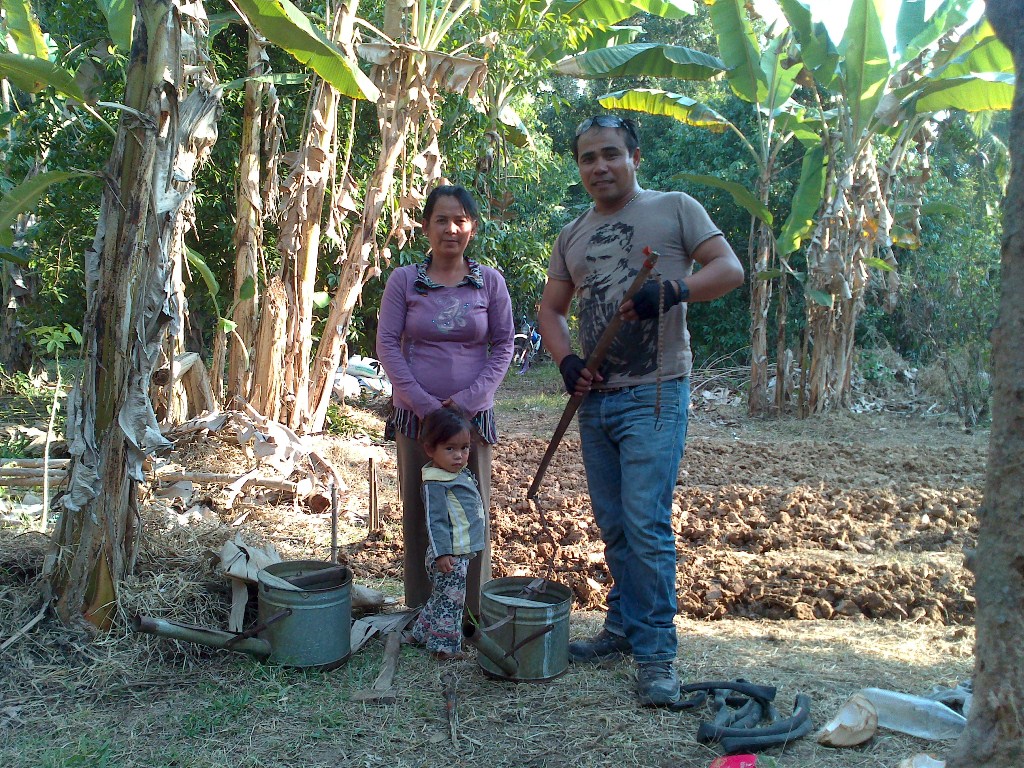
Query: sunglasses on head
x=605, y=121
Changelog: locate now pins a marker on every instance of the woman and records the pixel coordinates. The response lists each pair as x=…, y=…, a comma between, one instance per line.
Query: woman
x=444, y=336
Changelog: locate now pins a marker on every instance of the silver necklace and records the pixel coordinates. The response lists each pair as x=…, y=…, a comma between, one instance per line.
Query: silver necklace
x=628, y=203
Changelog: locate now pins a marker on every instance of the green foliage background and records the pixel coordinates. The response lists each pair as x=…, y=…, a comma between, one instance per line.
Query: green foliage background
x=949, y=284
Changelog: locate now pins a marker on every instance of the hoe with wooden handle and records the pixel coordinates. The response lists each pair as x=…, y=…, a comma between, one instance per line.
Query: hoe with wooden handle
x=593, y=363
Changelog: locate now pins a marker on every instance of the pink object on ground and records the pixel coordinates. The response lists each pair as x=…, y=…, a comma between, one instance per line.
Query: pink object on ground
x=734, y=761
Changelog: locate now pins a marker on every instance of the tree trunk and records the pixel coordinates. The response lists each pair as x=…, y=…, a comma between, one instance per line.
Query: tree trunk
x=994, y=737
x=130, y=305
x=268, y=357
x=240, y=338
x=354, y=269
x=170, y=400
x=760, y=301
x=782, y=367
x=849, y=231
x=94, y=541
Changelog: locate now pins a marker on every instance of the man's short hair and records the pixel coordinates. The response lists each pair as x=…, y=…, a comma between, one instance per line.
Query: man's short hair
x=623, y=124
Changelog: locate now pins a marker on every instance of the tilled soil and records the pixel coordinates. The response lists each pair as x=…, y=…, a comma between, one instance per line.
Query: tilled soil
x=864, y=517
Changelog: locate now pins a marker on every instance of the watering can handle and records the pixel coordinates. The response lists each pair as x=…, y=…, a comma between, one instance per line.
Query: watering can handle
x=530, y=638
x=257, y=628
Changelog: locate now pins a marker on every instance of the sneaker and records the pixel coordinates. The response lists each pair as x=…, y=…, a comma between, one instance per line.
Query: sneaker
x=657, y=684
x=601, y=647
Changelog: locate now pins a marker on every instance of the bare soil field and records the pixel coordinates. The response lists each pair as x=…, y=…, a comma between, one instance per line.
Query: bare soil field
x=818, y=556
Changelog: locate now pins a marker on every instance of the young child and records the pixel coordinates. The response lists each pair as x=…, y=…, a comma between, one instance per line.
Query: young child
x=455, y=530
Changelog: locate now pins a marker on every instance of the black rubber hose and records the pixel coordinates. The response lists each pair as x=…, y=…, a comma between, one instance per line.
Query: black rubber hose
x=749, y=715
x=753, y=739
x=745, y=718
x=739, y=744
x=763, y=692
x=691, y=703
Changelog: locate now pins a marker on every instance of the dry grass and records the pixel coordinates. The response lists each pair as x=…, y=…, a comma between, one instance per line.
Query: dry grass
x=140, y=701
x=125, y=699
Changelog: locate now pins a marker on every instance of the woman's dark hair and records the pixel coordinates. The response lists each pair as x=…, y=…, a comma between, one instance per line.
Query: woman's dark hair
x=457, y=191
x=442, y=424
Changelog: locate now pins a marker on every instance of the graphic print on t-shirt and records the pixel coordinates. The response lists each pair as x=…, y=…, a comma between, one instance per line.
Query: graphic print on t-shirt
x=609, y=275
x=451, y=313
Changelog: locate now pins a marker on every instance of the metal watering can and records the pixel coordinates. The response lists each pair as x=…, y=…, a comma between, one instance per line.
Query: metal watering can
x=304, y=618
x=525, y=629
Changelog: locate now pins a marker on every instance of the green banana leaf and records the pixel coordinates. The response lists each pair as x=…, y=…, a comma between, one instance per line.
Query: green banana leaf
x=642, y=59
x=197, y=262
x=674, y=105
x=32, y=75
x=806, y=201
x=221, y=21
x=979, y=51
x=820, y=297
x=877, y=263
x=279, y=78
x=781, y=78
x=120, y=18
x=739, y=193
x=817, y=51
x=976, y=93
x=739, y=50
x=25, y=196
x=614, y=11
x=24, y=29
x=865, y=63
x=792, y=118
x=909, y=23
x=287, y=27
x=914, y=34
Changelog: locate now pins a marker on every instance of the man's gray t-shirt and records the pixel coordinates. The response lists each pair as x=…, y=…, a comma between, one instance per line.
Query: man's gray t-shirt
x=601, y=254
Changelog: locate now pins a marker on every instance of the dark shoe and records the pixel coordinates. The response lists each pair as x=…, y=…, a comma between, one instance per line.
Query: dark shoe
x=601, y=647
x=657, y=684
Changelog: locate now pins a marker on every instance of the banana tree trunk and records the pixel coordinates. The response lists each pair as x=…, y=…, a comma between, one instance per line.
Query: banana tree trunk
x=995, y=730
x=193, y=136
x=760, y=302
x=248, y=242
x=110, y=422
x=783, y=370
x=857, y=220
x=355, y=267
x=299, y=245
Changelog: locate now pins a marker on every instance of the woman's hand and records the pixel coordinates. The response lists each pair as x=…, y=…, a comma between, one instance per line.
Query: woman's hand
x=445, y=563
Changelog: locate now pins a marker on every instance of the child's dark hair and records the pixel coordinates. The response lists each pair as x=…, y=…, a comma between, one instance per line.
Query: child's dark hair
x=443, y=424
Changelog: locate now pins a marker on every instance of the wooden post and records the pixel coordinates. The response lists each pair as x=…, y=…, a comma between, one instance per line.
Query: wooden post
x=373, y=520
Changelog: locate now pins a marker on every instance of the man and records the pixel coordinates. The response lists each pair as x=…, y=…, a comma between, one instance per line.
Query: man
x=633, y=420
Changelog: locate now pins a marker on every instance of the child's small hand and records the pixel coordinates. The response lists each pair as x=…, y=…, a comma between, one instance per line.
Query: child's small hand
x=445, y=563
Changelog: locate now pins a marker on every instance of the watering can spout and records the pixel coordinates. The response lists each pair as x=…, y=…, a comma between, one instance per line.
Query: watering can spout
x=213, y=638
x=479, y=640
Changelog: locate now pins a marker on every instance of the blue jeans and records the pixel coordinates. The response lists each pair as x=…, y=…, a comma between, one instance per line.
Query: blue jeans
x=632, y=461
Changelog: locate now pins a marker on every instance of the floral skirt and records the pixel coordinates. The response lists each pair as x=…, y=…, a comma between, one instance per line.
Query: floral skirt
x=439, y=624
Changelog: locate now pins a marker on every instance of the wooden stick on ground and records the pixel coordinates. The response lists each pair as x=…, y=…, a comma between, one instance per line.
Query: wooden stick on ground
x=383, y=691
x=373, y=518
x=449, y=687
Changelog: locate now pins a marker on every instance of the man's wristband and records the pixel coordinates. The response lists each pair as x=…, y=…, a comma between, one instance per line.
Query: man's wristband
x=682, y=291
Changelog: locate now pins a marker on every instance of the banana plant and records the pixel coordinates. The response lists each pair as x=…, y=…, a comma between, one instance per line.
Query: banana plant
x=864, y=93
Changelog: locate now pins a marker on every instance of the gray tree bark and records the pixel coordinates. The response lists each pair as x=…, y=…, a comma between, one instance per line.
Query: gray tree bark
x=994, y=737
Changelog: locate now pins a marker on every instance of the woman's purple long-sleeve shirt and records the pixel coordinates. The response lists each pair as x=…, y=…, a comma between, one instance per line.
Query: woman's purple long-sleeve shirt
x=445, y=342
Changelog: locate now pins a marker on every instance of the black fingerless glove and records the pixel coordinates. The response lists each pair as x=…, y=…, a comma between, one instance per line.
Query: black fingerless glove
x=645, y=301
x=571, y=367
